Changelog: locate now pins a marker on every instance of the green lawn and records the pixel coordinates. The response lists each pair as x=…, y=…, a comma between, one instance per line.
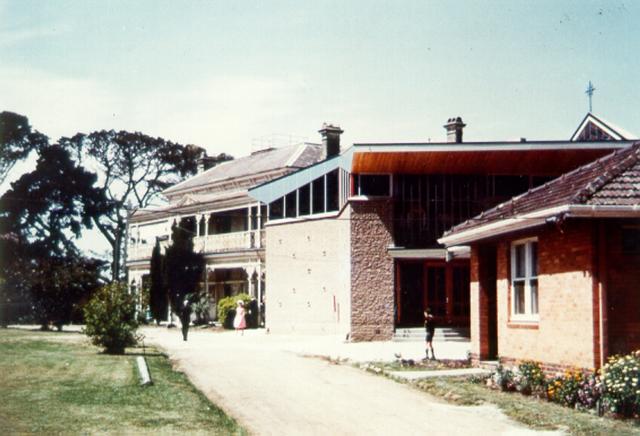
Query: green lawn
x=58, y=383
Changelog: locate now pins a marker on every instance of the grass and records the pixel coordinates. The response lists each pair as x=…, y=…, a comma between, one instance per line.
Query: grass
x=420, y=365
x=535, y=413
x=58, y=383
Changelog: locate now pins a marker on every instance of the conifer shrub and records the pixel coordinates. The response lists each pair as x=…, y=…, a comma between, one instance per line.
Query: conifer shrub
x=110, y=318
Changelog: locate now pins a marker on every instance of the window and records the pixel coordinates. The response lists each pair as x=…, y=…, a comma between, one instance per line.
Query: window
x=304, y=195
x=333, y=191
x=317, y=193
x=630, y=240
x=276, y=209
x=291, y=204
x=524, y=280
x=372, y=185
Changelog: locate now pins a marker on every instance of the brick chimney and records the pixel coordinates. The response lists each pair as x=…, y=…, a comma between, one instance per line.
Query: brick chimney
x=330, y=140
x=454, y=128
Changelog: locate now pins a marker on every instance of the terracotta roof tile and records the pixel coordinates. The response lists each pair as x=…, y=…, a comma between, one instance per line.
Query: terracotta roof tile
x=611, y=180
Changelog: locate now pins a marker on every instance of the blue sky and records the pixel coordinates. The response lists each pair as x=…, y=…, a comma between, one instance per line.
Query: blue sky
x=221, y=73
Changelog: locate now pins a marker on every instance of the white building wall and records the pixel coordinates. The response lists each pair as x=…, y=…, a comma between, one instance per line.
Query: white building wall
x=308, y=276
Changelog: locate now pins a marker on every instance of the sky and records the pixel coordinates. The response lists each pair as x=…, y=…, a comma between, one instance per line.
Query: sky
x=223, y=74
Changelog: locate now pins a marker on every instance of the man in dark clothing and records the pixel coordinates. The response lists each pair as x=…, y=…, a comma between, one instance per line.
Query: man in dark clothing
x=185, y=317
x=430, y=327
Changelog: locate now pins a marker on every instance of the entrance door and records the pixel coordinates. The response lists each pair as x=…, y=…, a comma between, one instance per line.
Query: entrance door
x=410, y=294
x=436, y=297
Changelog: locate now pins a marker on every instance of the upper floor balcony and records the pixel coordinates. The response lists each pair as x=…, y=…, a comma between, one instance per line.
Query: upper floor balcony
x=213, y=233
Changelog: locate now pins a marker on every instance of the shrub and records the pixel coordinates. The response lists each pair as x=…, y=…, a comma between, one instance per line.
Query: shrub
x=503, y=379
x=589, y=392
x=621, y=384
x=563, y=389
x=227, y=308
x=529, y=378
x=110, y=318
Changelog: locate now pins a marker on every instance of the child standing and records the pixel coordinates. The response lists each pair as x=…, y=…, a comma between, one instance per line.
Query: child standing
x=240, y=322
x=430, y=328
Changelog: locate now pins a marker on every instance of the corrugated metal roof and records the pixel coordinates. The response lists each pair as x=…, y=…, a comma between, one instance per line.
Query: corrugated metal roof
x=303, y=155
x=274, y=189
x=190, y=202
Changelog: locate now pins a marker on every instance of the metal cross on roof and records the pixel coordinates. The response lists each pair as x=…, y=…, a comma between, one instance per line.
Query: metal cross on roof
x=589, y=92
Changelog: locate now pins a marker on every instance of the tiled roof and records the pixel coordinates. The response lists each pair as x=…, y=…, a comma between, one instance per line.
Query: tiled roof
x=293, y=156
x=613, y=180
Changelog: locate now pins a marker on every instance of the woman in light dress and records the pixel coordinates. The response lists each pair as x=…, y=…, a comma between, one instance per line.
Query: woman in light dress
x=240, y=322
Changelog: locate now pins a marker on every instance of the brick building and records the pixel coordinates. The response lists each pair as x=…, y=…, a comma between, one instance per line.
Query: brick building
x=555, y=271
x=353, y=240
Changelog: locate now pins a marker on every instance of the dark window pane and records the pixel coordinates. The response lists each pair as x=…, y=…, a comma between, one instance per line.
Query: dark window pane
x=533, y=284
x=333, y=193
x=291, y=203
x=630, y=241
x=373, y=185
x=510, y=186
x=518, y=297
x=304, y=199
x=519, y=261
x=276, y=209
x=534, y=259
x=317, y=187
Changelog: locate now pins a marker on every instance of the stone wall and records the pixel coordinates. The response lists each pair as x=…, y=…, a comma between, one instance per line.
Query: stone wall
x=372, y=292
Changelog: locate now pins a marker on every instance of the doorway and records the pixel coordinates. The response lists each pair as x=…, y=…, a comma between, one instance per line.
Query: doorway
x=437, y=284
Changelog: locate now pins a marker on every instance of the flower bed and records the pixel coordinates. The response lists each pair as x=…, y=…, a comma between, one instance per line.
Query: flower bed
x=614, y=389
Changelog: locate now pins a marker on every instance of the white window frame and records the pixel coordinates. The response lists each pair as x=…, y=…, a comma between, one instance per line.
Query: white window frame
x=528, y=315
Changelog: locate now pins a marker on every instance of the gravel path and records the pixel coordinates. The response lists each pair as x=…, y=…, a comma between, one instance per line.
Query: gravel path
x=266, y=383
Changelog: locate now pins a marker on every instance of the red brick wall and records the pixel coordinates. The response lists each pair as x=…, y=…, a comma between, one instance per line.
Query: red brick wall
x=478, y=312
x=564, y=335
x=623, y=291
x=372, y=300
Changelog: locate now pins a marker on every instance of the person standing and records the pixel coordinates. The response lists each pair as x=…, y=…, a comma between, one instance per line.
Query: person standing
x=430, y=328
x=185, y=317
x=240, y=321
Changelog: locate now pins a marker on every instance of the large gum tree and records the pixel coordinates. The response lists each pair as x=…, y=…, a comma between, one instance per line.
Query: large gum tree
x=133, y=169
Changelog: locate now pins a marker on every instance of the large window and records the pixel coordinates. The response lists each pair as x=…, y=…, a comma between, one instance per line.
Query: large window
x=524, y=280
x=375, y=185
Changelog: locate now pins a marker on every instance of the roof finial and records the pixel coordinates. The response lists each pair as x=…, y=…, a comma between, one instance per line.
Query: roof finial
x=589, y=92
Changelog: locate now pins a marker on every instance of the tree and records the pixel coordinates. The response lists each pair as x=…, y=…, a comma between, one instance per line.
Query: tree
x=110, y=318
x=41, y=216
x=134, y=168
x=183, y=268
x=158, y=298
x=17, y=140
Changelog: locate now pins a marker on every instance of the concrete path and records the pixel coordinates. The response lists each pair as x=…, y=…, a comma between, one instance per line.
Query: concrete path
x=266, y=383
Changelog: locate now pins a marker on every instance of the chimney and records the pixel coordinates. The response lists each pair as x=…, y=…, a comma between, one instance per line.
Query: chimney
x=454, y=128
x=330, y=140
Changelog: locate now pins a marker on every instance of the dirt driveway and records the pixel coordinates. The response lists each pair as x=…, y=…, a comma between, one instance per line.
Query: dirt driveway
x=270, y=387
